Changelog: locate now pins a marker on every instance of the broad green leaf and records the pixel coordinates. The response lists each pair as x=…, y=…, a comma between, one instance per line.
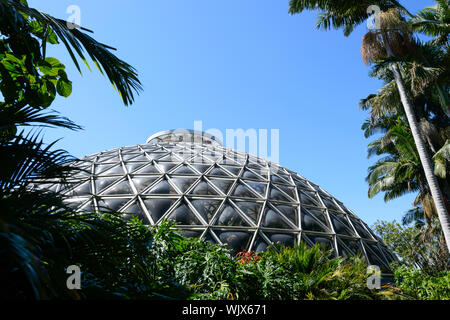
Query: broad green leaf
x=64, y=88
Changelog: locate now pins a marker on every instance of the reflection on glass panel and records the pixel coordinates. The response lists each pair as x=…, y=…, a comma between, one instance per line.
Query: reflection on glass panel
x=162, y=187
x=112, y=204
x=203, y=188
x=143, y=182
x=119, y=189
x=243, y=192
x=183, y=183
x=250, y=209
x=206, y=208
x=273, y=219
x=310, y=223
x=228, y=216
x=282, y=238
x=158, y=207
x=236, y=240
x=184, y=216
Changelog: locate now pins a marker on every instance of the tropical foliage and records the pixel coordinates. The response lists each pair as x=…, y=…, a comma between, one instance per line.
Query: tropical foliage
x=39, y=234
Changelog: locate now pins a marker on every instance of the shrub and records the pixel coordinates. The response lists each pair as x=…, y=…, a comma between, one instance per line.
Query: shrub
x=416, y=284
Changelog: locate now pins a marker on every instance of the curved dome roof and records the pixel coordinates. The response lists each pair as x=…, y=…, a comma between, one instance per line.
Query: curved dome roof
x=222, y=195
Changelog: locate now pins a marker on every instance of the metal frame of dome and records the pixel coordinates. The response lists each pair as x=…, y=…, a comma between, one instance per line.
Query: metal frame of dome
x=222, y=195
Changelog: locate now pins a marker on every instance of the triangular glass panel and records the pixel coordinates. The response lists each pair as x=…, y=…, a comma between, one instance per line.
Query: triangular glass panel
x=206, y=208
x=89, y=207
x=117, y=170
x=260, y=188
x=119, y=189
x=184, y=169
x=134, y=166
x=272, y=219
x=107, y=158
x=99, y=168
x=235, y=240
x=255, y=165
x=203, y=188
x=301, y=184
x=228, y=161
x=277, y=179
x=329, y=203
x=83, y=189
x=162, y=187
x=250, y=175
x=74, y=203
x=243, y=192
x=158, y=207
x=201, y=167
x=251, y=209
x=200, y=159
x=151, y=169
x=169, y=157
x=228, y=216
x=141, y=183
x=276, y=194
x=375, y=258
x=360, y=229
x=156, y=155
x=209, y=237
x=191, y=233
x=184, y=216
x=353, y=245
x=166, y=166
x=288, y=190
x=114, y=205
x=234, y=170
x=340, y=225
x=259, y=245
x=135, y=211
x=310, y=223
x=318, y=214
x=286, y=239
x=323, y=241
x=218, y=172
x=308, y=198
x=183, y=183
x=289, y=212
x=223, y=185
x=129, y=156
x=104, y=182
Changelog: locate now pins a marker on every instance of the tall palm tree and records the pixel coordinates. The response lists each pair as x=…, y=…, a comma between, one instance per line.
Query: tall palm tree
x=399, y=172
x=392, y=39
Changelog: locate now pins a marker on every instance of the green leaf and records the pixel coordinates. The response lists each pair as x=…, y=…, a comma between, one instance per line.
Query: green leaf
x=51, y=66
x=64, y=88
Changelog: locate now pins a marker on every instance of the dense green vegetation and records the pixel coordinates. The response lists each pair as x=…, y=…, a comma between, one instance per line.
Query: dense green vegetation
x=40, y=236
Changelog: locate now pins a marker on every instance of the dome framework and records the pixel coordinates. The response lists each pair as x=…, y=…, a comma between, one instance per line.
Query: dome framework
x=218, y=194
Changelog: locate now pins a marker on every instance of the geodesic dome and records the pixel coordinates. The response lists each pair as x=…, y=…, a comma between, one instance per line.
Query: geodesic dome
x=222, y=195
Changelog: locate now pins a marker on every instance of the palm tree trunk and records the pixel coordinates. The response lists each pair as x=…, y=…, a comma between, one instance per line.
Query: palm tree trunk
x=436, y=193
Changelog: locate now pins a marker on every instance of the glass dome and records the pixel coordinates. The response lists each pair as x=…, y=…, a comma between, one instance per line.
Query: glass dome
x=218, y=194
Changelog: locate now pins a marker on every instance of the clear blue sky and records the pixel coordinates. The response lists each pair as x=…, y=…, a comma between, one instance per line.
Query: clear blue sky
x=232, y=64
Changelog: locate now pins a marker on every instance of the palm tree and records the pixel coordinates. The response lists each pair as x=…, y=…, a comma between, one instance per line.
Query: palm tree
x=400, y=172
x=391, y=40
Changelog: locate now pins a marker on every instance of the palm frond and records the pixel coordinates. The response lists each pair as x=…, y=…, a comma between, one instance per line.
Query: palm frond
x=25, y=158
x=123, y=76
